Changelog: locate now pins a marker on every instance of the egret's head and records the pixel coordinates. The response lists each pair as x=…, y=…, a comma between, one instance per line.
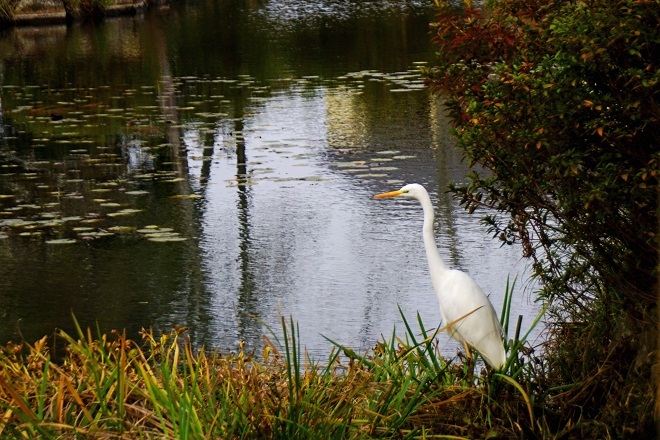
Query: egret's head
x=411, y=191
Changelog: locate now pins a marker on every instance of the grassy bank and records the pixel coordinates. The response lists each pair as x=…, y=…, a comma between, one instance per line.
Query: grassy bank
x=107, y=386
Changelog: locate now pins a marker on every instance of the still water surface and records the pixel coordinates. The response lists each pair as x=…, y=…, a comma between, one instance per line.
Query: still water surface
x=212, y=165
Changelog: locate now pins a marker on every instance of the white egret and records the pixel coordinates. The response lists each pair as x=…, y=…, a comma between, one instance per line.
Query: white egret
x=463, y=304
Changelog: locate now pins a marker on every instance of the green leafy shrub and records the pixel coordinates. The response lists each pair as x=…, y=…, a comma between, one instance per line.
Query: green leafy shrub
x=557, y=101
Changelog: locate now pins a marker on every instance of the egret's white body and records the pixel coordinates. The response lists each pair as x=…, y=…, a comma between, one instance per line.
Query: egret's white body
x=463, y=305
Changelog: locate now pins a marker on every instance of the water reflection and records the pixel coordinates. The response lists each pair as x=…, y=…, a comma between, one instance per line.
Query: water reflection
x=253, y=149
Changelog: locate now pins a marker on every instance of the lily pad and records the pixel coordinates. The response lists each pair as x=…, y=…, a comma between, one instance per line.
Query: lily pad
x=186, y=196
x=371, y=175
x=162, y=235
x=388, y=152
x=121, y=229
x=384, y=168
x=30, y=234
x=95, y=234
x=166, y=239
x=154, y=230
x=61, y=241
x=151, y=227
x=124, y=212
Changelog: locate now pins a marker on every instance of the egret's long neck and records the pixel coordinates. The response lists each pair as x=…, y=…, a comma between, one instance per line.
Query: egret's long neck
x=432, y=253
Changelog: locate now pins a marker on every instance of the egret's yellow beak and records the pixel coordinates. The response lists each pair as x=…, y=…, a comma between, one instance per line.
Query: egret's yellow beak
x=389, y=194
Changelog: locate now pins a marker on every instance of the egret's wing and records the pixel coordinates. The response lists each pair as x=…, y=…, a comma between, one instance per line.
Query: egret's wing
x=471, y=315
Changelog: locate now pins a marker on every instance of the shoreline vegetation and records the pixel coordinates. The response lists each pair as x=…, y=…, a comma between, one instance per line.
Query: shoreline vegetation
x=108, y=386
x=23, y=13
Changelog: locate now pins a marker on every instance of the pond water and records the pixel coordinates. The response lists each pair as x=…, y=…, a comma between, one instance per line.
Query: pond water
x=211, y=165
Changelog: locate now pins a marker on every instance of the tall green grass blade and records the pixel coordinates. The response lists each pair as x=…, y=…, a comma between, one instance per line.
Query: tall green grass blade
x=428, y=341
x=506, y=306
x=41, y=397
x=421, y=352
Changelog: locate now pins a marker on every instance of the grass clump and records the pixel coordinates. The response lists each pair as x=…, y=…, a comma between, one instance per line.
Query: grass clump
x=108, y=386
